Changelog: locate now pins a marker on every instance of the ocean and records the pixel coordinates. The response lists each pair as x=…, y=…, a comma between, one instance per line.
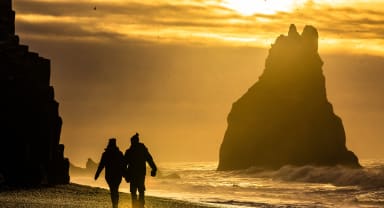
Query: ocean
x=290, y=186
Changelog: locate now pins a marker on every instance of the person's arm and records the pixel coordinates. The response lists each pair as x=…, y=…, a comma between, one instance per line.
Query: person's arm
x=100, y=167
x=151, y=163
x=126, y=171
x=126, y=158
x=123, y=161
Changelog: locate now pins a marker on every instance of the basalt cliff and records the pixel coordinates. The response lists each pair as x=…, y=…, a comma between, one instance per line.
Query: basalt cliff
x=30, y=125
x=285, y=118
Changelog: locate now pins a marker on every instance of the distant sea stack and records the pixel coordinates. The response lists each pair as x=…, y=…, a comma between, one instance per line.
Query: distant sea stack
x=285, y=117
x=30, y=125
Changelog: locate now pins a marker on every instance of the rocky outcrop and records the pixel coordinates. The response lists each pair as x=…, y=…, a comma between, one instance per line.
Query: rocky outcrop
x=285, y=117
x=91, y=165
x=30, y=125
x=90, y=168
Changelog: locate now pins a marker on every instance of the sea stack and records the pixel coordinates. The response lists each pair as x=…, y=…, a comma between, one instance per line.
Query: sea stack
x=30, y=125
x=285, y=118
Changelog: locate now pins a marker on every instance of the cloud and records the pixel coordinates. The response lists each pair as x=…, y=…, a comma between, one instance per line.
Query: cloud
x=63, y=31
x=196, y=21
x=132, y=20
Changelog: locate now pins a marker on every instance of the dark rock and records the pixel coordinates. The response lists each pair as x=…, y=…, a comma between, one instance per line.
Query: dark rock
x=30, y=125
x=285, y=117
x=89, y=170
x=91, y=165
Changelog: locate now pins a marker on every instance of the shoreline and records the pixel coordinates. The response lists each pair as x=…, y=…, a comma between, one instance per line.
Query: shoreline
x=76, y=195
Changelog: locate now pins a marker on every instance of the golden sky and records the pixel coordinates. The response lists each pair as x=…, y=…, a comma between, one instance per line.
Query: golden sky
x=357, y=25
x=172, y=69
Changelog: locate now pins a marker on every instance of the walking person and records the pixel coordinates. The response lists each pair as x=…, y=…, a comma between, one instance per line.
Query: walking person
x=113, y=161
x=136, y=157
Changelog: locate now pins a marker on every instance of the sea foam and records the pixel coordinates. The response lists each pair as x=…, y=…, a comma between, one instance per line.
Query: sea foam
x=337, y=175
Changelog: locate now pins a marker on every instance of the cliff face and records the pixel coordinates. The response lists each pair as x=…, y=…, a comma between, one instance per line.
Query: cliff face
x=285, y=117
x=30, y=125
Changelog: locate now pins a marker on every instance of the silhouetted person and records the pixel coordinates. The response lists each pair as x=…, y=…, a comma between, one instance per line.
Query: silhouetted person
x=113, y=161
x=136, y=157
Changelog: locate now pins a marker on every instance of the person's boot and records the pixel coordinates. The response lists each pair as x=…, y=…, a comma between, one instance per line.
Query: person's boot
x=115, y=200
x=141, y=200
x=134, y=200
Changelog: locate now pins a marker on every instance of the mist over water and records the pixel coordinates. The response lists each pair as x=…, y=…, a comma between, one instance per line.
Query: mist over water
x=289, y=186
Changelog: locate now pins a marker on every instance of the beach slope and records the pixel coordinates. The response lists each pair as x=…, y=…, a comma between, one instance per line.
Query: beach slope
x=74, y=195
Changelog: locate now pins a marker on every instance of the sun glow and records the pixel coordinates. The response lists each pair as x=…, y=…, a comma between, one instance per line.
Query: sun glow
x=251, y=7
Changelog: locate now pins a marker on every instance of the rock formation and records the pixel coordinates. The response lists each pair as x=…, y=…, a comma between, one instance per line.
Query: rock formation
x=91, y=165
x=285, y=117
x=90, y=168
x=30, y=125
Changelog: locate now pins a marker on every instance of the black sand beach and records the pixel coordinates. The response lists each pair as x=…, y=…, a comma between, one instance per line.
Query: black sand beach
x=74, y=195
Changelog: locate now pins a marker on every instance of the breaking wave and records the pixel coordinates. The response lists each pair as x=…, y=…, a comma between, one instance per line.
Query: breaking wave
x=339, y=175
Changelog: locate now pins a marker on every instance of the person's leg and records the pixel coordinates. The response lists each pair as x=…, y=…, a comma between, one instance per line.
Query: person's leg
x=141, y=188
x=114, y=188
x=141, y=199
x=133, y=188
x=115, y=197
